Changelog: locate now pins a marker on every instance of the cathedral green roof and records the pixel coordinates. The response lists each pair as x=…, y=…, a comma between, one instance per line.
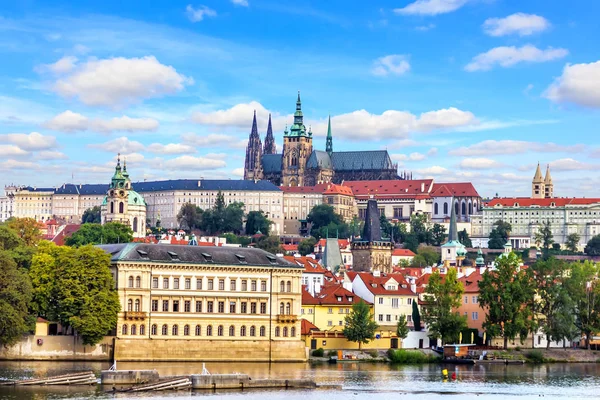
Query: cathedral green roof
x=134, y=198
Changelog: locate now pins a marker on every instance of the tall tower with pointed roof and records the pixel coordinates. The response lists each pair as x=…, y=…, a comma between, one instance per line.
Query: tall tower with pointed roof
x=453, y=251
x=537, y=185
x=253, y=164
x=548, y=185
x=371, y=252
x=297, y=147
x=329, y=141
x=270, y=147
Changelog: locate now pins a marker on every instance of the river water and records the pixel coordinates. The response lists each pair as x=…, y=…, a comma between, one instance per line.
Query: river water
x=359, y=381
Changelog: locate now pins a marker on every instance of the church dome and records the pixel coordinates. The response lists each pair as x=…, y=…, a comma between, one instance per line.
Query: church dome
x=134, y=198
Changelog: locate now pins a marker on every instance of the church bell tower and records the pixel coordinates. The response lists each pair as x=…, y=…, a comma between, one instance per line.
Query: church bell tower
x=297, y=147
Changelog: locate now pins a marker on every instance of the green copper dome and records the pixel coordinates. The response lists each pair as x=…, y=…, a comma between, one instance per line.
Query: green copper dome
x=134, y=198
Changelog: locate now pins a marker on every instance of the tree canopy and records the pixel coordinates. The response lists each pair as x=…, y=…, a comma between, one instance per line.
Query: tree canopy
x=464, y=239
x=402, y=327
x=360, y=326
x=584, y=290
x=189, y=216
x=91, y=216
x=499, y=235
x=325, y=222
x=15, y=295
x=572, y=242
x=593, y=246
x=28, y=229
x=307, y=246
x=544, y=237
x=221, y=218
x=270, y=244
x=256, y=221
x=111, y=232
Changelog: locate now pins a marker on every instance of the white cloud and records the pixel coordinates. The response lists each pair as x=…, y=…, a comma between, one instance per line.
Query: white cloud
x=578, y=84
x=569, y=164
x=240, y=116
x=433, y=170
x=9, y=165
x=62, y=66
x=431, y=7
x=496, y=147
x=393, y=64
x=243, y=3
x=51, y=155
x=170, y=148
x=198, y=14
x=410, y=157
x=506, y=56
x=214, y=140
x=69, y=121
x=195, y=163
x=118, y=81
x=10, y=150
x=432, y=151
x=519, y=23
x=479, y=163
x=445, y=118
x=32, y=141
x=425, y=28
x=239, y=172
x=119, y=145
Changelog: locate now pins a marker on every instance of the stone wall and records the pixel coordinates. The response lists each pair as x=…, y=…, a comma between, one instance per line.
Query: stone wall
x=209, y=350
x=63, y=348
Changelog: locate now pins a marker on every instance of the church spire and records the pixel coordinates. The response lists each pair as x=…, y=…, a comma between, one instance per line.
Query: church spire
x=453, y=231
x=270, y=147
x=548, y=178
x=254, y=131
x=538, y=174
x=252, y=165
x=329, y=142
x=298, y=128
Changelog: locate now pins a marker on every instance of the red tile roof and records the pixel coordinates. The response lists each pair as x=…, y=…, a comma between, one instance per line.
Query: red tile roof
x=343, y=243
x=311, y=266
x=391, y=188
x=403, y=253
x=338, y=189
x=528, y=202
x=332, y=294
x=290, y=247
x=471, y=282
x=66, y=232
x=458, y=189
x=306, y=327
x=377, y=285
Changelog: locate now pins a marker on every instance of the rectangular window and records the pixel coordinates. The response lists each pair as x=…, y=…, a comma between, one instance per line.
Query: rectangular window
x=244, y=307
x=475, y=316
x=198, y=306
x=244, y=285
x=188, y=283
x=388, y=318
x=175, y=305
x=380, y=317
x=165, y=305
x=198, y=283
x=409, y=301
x=409, y=318
x=221, y=284
x=252, y=308
x=394, y=303
x=341, y=323
x=381, y=300
x=263, y=286
x=175, y=283
x=466, y=299
x=302, y=311
x=263, y=308
x=232, y=285
x=221, y=306
x=475, y=300
x=210, y=284
x=330, y=311
x=329, y=323
x=165, y=283
x=154, y=283
x=310, y=310
x=155, y=305
x=398, y=212
x=209, y=306
x=253, y=286
x=232, y=307
x=187, y=306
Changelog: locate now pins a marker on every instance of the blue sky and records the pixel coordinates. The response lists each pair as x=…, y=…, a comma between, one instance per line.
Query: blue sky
x=458, y=90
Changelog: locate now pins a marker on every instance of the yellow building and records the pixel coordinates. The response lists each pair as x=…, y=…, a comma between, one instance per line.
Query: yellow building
x=190, y=303
x=342, y=200
x=328, y=308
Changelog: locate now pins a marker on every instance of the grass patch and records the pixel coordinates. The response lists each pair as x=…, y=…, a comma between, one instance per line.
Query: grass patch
x=373, y=353
x=401, y=356
x=535, y=356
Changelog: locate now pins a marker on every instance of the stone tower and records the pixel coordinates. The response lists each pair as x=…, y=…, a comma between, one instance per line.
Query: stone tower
x=253, y=164
x=537, y=185
x=548, y=185
x=453, y=251
x=371, y=252
x=297, y=147
x=270, y=147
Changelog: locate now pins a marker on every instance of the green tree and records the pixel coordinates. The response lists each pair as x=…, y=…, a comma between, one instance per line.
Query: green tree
x=189, y=216
x=464, y=239
x=386, y=226
x=324, y=221
x=438, y=233
x=91, y=216
x=28, y=229
x=360, y=326
x=355, y=227
x=416, y=316
x=16, y=247
x=307, y=246
x=507, y=293
x=593, y=246
x=584, y=291
x=544, y=237
x=411, y=242
x=270, y=244
x=15, y=295
x=257, y=221
x=442, y=296
x=111, y=232
x=402, y=327
x=78, y=289
x=233, y=218
x=499, y=235
x=221, y=218
x=430, y=254
x=419, y=225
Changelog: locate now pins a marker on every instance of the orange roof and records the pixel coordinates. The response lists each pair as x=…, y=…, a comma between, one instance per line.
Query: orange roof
x=307, y=327
x=66, y=232
x=333, y=294
x=310, y=265
x=343, y=243
x=338, y=189
x=377, y=284
x=528, y=201
x=320, y=188
x=403, y=253
x=471, y=282
x=391, y=188
x=409, y=271
x=290, y=247
x=458, y=189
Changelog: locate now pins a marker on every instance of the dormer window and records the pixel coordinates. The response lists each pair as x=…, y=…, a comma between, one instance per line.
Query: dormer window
x=241, y=258
x=350, y=298
x=143, y=254
x=207, y=257
x=339, y=298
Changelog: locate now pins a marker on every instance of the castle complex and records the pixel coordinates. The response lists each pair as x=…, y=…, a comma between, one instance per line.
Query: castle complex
x=300, y=165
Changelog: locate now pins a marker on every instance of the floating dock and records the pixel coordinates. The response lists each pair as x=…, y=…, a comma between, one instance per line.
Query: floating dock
x=79, y=378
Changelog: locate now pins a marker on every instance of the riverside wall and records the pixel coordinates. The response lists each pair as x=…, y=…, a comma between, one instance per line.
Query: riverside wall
x=60, y=348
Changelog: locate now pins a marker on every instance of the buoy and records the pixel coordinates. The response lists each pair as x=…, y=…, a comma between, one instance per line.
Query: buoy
x=445, y=373
x=453, y=375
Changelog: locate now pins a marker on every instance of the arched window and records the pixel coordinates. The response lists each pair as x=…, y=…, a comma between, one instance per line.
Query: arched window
x=289, y=286
x=121, y=208
x=112, y=207
x=130, y=282
x=445, y=208
x=165, y=330
x=209, y=330
x=470, y=208
x=262, y=331
x=124, y=330
x=293, y=331
x=435, y=208
x=133, y=330
x=137, y=305
x=243, y=330
x=198, y=330
x=154, y=329
x=282, y=286
x=186, y=330
x=175, y=330
x=232, y=330
x=142, y=330
x=135, y=223
x=220, y=330
x=276, y=331
x=288, y=308
x=129, y=305
x=456, y=208
x=281, y=308
x=138, y=282
x=285, y=331
x=463, y=208
x=252, y=331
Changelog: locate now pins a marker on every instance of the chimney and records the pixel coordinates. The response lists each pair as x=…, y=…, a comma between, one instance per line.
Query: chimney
x=422, y=187
x=376, y=273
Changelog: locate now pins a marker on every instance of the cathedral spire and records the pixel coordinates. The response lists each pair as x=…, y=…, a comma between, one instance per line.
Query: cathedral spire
x=298, y=128
x=270, y=147
x=538, y=174
x=329, y=142
x=298, y=103
x=548, y=178
x=253, y=163
x=254, y=131
x=453, y=231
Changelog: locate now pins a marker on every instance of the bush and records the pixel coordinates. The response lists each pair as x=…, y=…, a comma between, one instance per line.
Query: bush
x=318, y=352
x=518, y=348
x=410, y=357
x=535, y=356
x=332, y=353
x=373, y=353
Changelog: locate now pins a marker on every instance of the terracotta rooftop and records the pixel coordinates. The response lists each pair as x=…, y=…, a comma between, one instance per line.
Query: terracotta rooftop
x=65, y=233
x=338, y=189
x=311, y=266
x=471, y=282
x=377, y=284
x=332, y=294
x=306, y=327
x=457, y=189
x=403, y=253
x=391, y=188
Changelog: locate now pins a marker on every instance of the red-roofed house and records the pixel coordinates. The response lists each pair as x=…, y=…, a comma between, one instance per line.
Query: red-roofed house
x=328, y=308
x=313, y=276
x=470, y=303
x=341, y=198
x=402, y=255
x=462, y=195
x=65, y=232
